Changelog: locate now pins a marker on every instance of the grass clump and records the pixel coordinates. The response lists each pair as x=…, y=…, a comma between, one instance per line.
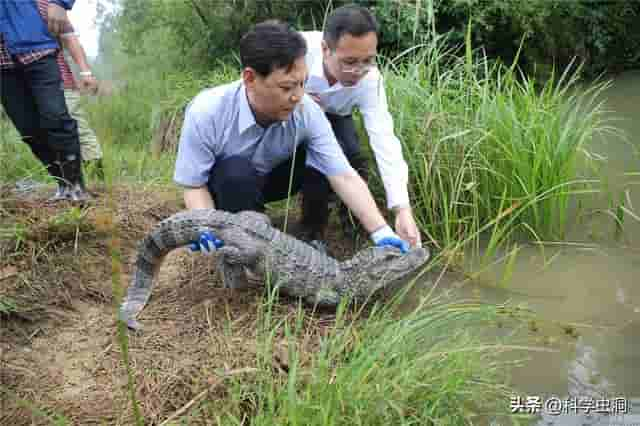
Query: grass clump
x=482, y=139
x=16, y=160
x=424, y=368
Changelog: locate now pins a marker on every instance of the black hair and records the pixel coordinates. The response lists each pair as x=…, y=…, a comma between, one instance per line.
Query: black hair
x=350, y=19
x=271, y=45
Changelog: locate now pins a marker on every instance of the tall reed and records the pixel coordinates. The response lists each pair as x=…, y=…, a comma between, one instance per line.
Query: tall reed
x=482, y=139
x=428, y=367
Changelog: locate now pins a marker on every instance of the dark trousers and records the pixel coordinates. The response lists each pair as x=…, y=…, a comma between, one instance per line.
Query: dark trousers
x=235, y=186
x=315, y=204
x=33, y=98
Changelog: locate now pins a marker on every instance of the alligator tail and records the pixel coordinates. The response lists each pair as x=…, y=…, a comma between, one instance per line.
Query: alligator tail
x=168, y=235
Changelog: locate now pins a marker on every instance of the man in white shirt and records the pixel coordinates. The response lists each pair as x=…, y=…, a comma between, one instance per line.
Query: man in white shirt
x=255, y=140
x=343, y=76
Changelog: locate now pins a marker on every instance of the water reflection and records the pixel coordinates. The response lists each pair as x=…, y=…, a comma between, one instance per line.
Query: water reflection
x=590, y=398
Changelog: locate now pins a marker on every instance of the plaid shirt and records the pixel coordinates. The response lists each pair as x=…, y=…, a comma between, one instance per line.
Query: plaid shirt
x=7, y=61
x=65, y=71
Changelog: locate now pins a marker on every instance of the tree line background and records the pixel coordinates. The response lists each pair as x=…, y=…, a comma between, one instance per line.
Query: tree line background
x=195, y=35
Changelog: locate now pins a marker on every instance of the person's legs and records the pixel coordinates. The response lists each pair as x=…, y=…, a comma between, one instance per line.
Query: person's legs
x=235, y=186
x=344, y=129
x=286, y=179
x=90, y=150
x=317, y=191
x=315, y=203
x=44, y=80
x=21, y=109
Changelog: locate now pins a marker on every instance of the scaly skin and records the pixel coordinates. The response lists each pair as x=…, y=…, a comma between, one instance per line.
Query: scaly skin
x=252, y=244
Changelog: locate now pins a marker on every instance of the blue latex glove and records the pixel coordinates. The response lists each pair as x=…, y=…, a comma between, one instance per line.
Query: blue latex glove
x=207, y=243
x=386, y=237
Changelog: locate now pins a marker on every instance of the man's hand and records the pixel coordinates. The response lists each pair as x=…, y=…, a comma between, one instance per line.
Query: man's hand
x=56, y=19
x=88, y=84
x=406, y=227
x=386, y=237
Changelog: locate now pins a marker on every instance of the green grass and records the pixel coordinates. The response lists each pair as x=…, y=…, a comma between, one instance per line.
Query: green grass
x=16, y=160
x=484, y=142
x=426, y=367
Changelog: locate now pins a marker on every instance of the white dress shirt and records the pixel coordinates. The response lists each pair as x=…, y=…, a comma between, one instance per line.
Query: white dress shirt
x=370, y=98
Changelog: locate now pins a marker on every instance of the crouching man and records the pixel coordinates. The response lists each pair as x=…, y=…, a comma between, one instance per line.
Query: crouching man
x=259, y=139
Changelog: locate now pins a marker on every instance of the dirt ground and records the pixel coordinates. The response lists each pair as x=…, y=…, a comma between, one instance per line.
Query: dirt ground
x=59, y=286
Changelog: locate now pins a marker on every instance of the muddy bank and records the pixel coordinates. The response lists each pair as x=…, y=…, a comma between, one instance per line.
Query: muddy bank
x=61, y=354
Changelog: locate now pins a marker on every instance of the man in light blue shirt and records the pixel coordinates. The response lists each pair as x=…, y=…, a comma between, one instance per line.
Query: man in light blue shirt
x=258, y=139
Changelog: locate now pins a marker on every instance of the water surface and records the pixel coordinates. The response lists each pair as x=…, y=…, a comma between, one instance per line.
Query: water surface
x=590, y=281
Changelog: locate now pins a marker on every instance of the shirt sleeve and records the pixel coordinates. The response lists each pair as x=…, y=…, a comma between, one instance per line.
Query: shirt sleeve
x=386, y=147
x=43, y=5
x=196, y=150
x=67, y=4
x=323, y=151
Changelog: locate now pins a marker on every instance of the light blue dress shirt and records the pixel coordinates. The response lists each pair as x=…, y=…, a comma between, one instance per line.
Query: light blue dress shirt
x=219, y=124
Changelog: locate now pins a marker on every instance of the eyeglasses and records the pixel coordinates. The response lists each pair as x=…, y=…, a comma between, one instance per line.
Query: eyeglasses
x=359, y=67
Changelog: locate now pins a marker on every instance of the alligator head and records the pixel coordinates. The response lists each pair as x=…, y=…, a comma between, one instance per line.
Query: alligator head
x=381, y=267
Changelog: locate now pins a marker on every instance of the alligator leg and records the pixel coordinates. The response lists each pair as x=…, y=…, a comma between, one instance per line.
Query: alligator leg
x=233, y=276
x=233, y=264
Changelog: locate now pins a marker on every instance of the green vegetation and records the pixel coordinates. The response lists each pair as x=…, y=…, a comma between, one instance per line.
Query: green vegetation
x=424, y=368
x=484, y=142
x=188, y=35
x=16, y=159
x=598, y=32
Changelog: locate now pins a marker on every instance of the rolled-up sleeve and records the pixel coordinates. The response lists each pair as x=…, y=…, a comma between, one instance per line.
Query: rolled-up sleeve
x=384, y=143
x=196, y=151
x=323, y=151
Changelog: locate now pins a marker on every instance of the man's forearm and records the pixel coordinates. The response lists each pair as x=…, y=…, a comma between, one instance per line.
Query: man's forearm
x=72, y=44
x=356, y=195
x=198, y=198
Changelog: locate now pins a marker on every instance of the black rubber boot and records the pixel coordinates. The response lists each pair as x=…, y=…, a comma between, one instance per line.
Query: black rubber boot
x=62, y=186
x=61, y=190
x=72, y=182
x=53, y=168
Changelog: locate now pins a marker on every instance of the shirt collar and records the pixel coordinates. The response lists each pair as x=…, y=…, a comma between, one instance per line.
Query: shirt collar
x=246, y=119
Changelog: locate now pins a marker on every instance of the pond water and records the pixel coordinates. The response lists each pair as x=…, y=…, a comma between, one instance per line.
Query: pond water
x=591, y=281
